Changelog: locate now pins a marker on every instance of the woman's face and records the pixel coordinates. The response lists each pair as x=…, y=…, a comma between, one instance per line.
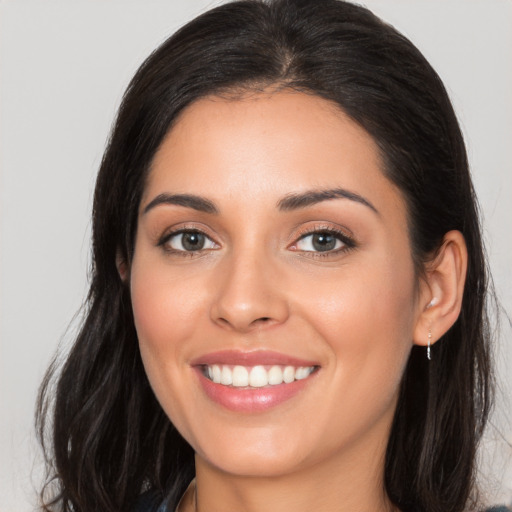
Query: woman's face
x=272, y=254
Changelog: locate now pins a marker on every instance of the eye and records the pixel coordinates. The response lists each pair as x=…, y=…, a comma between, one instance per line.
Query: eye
x=188, y=241
x=323, y=241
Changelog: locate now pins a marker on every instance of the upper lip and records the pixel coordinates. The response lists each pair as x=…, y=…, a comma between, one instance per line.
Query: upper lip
x=253, y=358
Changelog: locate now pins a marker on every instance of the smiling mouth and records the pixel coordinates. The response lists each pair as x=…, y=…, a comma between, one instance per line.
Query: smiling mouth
x=258, y=376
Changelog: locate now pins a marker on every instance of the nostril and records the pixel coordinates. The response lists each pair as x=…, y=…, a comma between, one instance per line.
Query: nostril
x=263, y=319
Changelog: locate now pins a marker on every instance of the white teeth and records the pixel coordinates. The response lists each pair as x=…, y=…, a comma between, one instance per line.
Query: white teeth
x=301, y=373
x=275, y=376
x=240, y=377
x=216, y=373
x=289, y=374
x=226, y=376
x=257, y=376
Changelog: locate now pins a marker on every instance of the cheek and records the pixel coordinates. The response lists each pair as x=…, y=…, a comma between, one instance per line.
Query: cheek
x=165, y=308
x=367, y=317
x=165, y=313
x=367, y=324
x=362, y=297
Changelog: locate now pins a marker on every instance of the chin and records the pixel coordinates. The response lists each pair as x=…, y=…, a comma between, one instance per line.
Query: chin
x=254, y=456
x=260, y=465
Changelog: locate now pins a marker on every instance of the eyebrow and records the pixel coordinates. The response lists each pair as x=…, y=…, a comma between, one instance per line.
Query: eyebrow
x=311, y=197
x=287, y=203
x=198, y=203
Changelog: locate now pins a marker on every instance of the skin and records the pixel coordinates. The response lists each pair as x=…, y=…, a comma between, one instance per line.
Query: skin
x=260, y=285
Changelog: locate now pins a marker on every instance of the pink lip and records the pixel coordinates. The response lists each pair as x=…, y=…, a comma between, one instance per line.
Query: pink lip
x=250, y=400
x=253, y=399
x=257, y=357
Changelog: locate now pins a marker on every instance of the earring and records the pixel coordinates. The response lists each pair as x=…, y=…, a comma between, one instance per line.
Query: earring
x=429, y=343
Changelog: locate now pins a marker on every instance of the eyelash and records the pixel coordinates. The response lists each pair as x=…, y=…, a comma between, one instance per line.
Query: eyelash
x=348, y=242
x=168, y=236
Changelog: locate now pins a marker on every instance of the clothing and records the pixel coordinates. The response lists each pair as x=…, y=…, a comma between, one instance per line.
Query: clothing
x=146, y=503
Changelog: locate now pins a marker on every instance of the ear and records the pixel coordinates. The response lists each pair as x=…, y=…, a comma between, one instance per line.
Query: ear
x=122, y=266
x=441, y=289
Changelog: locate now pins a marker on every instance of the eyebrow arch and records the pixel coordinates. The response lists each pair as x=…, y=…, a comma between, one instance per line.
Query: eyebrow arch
x=311, y=197
x=198, y=203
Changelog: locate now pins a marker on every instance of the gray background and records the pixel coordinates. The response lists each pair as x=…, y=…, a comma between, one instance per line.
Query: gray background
x=63, y=67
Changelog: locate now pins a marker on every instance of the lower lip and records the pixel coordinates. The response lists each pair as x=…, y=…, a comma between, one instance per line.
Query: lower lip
x=251, y=399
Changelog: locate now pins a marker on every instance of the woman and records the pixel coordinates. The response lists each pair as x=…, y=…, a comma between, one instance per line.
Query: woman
x=287, y=300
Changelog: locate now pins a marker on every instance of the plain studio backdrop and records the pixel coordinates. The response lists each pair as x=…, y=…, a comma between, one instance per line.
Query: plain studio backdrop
x=63, y=68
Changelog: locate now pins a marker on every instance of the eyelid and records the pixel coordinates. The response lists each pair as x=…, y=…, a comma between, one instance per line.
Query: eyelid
x=301, y=244
x=344, y=235
x=184, y=228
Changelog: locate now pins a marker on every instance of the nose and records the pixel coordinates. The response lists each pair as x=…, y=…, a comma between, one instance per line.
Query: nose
x=250, y=294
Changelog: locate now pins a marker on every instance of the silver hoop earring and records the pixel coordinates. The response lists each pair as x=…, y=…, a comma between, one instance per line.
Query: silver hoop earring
x=429, y=343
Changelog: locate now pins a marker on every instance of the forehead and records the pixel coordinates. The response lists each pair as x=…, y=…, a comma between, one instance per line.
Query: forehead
x=266, y=145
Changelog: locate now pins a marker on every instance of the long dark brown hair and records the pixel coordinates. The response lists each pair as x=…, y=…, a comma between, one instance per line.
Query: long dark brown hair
x=106, y=437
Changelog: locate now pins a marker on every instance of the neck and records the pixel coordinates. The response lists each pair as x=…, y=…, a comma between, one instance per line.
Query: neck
x=348, y=482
